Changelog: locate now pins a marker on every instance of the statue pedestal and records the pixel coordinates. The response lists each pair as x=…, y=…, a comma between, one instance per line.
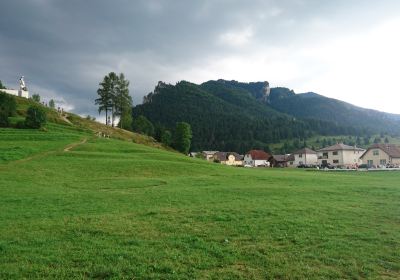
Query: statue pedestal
x=23, y=93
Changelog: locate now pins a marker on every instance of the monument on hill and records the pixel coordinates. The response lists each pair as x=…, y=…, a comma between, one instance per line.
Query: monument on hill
x=22, y=91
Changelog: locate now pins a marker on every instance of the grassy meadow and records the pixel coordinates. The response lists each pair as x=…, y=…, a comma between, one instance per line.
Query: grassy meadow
x=113, y=209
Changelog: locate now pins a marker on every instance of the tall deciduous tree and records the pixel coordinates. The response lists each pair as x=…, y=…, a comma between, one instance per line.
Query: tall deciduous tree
x=182, y=137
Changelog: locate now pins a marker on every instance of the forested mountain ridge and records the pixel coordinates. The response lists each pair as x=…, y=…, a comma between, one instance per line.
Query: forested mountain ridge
x=232, y=116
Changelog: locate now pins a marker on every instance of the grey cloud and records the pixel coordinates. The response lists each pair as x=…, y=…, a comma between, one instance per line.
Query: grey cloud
x=68, y=46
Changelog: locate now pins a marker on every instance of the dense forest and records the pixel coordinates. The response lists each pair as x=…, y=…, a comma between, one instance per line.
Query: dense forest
x=233, y=116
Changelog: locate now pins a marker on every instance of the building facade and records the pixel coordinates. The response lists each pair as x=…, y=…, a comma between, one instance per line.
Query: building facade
x=340, y=155
x=304, y=157
x=381, y=155
x=257, y=158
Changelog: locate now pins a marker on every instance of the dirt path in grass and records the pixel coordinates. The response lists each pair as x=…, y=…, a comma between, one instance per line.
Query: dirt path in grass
x=66, y=149
x=73, y=145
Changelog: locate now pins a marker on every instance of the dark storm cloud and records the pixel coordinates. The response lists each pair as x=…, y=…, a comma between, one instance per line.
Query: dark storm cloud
x=64, y=48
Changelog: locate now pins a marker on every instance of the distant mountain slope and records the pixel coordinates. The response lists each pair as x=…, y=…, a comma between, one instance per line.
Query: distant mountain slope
x=226, y=117
x=312, y=105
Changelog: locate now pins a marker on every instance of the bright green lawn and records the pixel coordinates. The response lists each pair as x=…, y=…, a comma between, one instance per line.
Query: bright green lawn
x=113, y=209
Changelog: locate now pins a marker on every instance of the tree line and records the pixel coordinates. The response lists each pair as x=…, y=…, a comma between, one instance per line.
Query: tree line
x=115, y=101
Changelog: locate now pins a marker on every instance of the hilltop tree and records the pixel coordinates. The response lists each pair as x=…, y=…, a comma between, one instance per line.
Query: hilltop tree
x=52, y=104
x=123, y=102
x=36, y=97
x=2, y=86
x=114, y=99
x=182, y=137
x=106, y=93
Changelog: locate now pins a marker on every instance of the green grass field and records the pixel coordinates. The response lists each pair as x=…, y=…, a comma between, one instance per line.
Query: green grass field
x=112, y=209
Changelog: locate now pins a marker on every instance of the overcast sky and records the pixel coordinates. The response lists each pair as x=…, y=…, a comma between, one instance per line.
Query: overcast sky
x=349, y=50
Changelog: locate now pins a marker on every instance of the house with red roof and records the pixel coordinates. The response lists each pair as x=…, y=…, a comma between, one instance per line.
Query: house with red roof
x=257, y=158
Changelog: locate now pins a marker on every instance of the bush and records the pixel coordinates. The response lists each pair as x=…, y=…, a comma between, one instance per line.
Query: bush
x=8, y=108
x=35, y=118
x=4, y=122
x=20, y=124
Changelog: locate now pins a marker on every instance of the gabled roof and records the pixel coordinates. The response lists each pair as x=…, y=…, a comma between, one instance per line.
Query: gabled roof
x=340, y=147
x=223, y=156
x=391, y=149
x=258, y=155
x=305, y=151
x=282, y=158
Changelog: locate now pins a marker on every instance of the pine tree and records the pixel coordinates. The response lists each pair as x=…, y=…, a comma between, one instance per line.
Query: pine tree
x=106, y=93
x=123, y=102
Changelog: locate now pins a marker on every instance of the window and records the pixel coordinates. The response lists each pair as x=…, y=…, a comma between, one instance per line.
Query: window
x=300, y=155
x=335, y=153
x=335, y=161
x=325, y=155
x=383, y=162
x=375, y=152
x=370, y=162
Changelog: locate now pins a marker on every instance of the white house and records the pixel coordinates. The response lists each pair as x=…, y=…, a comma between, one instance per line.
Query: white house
x=257, y=158
x=340, y=155
x=304, y=156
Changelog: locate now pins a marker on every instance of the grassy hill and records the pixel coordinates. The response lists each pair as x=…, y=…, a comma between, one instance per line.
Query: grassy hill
x=58, y=132
x=114, y=209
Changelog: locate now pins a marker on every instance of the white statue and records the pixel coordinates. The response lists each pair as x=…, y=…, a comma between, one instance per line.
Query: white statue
x=22, y=85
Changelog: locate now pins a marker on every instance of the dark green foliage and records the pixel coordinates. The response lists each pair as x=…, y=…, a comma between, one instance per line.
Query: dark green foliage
x=114, y=99
x=387, y=140
x=142, y=125
x=182, y=137
x=35, y=117
x=106, y=93
x=8, y=108
x=166, y=137
x=52, y=104
x=36, y=97
x=377, y=140
x=314, y=106
x=226, y=118
x=4, y=122
x=2, y=86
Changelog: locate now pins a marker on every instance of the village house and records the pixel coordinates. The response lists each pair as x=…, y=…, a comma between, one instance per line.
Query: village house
x=304, y=157
x=340, y=155
x=381, y=155
x=280, y=160
x=257, y=158
x=209, y=155
x=230, y=158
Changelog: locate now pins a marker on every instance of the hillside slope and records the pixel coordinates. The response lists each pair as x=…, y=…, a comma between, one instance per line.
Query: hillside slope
x=226, y=116
x=314, y=106
x=59, y=131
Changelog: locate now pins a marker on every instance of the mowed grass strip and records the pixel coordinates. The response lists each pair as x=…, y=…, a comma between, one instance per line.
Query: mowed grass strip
x=110, y=209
